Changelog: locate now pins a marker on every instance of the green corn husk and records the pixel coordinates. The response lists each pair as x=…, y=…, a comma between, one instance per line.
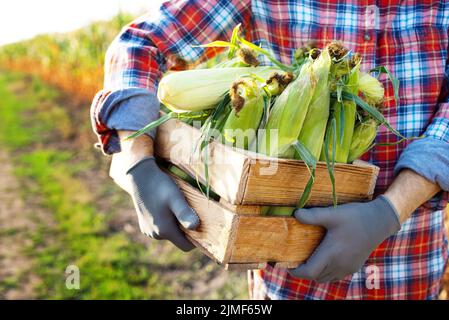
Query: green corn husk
x=345, y=115
x=287, y=116
x=280, y=211
x=201, y=89
x=276, y=83
x=245, y=58
x=362, y=139
x=187, y=178
x=181, y=174
x=247, y=100
x=349, y=109
x=314, y=127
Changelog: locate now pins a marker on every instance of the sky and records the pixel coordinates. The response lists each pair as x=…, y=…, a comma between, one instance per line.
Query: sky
x=22, y=19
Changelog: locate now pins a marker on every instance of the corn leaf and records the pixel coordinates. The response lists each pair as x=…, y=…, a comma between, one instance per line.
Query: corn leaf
x=206, y=169
x=342, y=124
x=372, y=111
x=331, y=130
x=212, y=125
x=387, y=144
x=339, y=90
x=304, y=154
x=307, y=190
x=217, y=44
x=310, y=161
x=152, y=125
x=234, y=38
x=266, y=111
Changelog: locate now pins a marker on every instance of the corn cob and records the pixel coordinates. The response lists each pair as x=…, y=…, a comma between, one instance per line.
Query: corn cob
x=362, y=139
x=200, y=89
x=247, y=109
x=276, y=83
x=373, y=91
x=343, y=142
x=280, y=211
x=346, y=111
x=314, y=127
x=287, y=116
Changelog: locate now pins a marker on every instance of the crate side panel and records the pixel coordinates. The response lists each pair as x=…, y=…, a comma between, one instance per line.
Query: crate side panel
x=216, y=227
x=282, y=183
x=273, y=239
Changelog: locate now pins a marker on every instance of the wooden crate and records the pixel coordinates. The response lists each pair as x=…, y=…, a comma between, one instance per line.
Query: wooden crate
x=238, y=237
x=246, y=178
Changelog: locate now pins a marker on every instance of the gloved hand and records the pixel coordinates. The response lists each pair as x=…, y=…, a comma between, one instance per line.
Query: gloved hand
x=158, y=199
x=354, y=230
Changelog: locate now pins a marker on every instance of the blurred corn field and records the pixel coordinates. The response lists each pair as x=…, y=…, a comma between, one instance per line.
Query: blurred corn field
x=72, y=61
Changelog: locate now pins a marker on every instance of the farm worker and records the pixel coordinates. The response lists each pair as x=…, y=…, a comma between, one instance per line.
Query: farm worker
x=393, y=247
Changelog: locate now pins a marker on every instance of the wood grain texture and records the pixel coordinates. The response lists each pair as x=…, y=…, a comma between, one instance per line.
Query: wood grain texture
x=273, y=239
x=241, y=209
x=177, y=142
x=217, y=224
x=352, y=183
x=260, y=265
x=247, y=178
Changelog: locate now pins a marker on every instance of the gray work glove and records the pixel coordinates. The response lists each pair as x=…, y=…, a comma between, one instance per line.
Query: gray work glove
x=157, y=198
x=354, y=230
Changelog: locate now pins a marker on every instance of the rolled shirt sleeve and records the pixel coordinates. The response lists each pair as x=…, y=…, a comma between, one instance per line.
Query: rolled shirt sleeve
x=152, y=44
x=429, y=156
x=128, y=109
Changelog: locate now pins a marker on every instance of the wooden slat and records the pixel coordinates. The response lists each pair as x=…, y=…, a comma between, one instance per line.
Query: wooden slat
x=216, y=227
x=261, y=265
x=277, y=239
x=352, y=182
x=241, y=209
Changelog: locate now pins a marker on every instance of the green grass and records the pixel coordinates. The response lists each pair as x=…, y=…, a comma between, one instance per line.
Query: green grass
x=111, y=266
x=56, y=173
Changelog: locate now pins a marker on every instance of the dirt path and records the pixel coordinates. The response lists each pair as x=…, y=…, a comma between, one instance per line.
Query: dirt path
x=17, y=280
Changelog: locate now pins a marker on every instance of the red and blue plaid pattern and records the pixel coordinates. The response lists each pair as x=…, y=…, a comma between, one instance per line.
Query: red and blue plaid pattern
x=409, y=265
x=410, y=37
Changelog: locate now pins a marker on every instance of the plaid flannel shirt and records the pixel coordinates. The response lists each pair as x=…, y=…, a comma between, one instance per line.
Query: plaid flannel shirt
x=410, y=37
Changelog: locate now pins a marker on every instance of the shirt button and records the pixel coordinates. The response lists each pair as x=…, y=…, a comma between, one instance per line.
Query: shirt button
x=367, y=37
